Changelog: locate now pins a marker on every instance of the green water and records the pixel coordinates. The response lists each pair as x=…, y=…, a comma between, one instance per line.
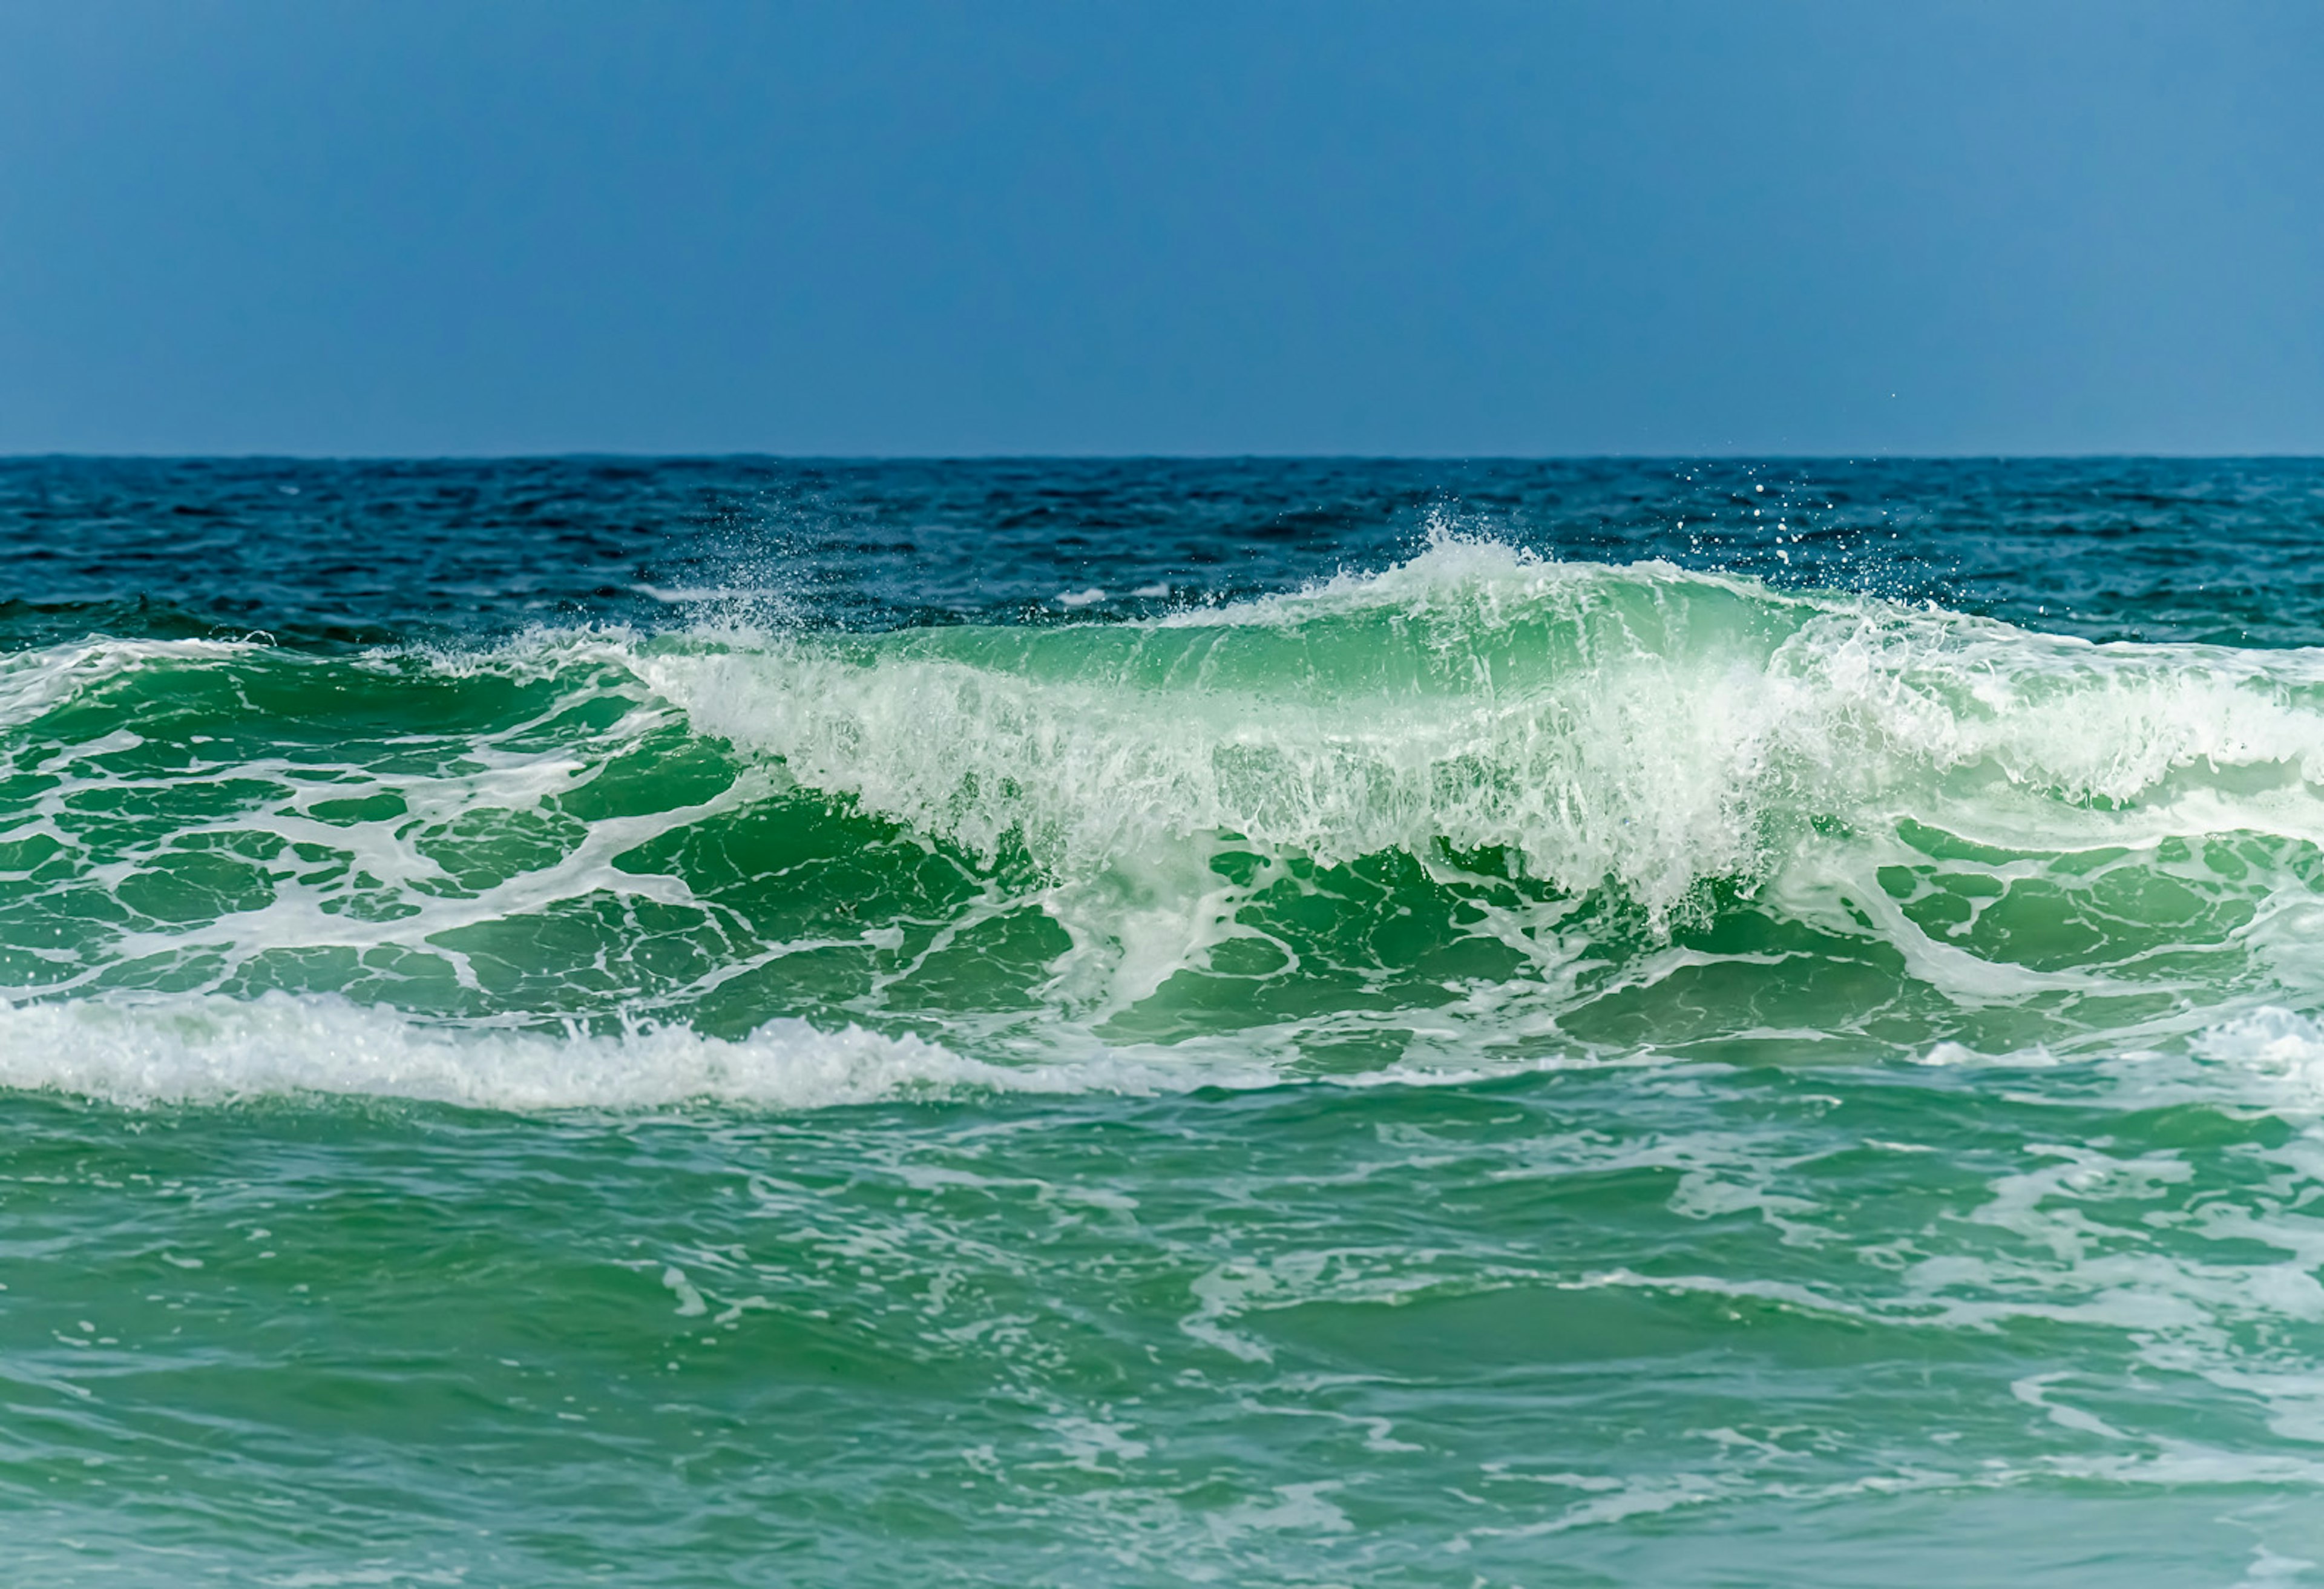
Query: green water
x=1592, y=1326
x=1492, y=1073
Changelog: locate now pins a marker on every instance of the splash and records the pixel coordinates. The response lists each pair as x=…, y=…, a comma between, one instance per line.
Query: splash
x=1477, y=808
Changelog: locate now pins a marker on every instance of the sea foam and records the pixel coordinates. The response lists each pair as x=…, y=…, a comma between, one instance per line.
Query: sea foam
x=1642, y=727
x=197, y=1048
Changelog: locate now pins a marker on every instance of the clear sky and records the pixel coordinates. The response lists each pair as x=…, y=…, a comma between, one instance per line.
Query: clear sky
x=1434, y=227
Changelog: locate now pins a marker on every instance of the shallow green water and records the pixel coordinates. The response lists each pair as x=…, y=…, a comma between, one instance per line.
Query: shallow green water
x=1680, y=1324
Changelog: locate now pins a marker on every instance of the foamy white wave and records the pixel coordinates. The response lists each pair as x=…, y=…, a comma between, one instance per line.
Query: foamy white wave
x=2279, y=1048
x=33, y=681
x=1639, y=729
x=1643, y=726
x=210, y=1047
x=2259, y=1056
x=202, y=1049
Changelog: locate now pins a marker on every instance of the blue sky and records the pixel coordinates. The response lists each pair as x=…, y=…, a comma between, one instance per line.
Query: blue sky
x=1274, y=226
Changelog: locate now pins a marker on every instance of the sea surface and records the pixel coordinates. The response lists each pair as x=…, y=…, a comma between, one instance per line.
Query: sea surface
x=1119, y=1023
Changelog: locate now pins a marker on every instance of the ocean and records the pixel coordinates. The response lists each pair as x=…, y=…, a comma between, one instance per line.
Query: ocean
x=1141, y=1022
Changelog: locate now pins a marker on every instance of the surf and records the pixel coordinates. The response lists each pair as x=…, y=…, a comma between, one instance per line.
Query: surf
x=1479, y=806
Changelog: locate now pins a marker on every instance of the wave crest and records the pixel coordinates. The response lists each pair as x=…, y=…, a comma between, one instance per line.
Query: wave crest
x=1642, y=728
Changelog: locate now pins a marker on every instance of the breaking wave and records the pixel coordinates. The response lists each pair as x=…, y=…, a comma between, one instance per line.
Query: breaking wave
x=1478, y=809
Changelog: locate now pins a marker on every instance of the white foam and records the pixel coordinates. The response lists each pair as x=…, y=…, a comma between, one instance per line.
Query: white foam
x=1642, y=727
x=35, y=679
x=210, y=1048
x=1629, y=775
x=2268, y=1057
x=143, y=1048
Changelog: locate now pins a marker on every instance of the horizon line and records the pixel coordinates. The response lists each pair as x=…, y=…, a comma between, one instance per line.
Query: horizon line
x=615, y=456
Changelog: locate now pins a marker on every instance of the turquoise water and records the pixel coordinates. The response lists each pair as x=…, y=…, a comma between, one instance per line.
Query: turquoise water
x=1121, y=1024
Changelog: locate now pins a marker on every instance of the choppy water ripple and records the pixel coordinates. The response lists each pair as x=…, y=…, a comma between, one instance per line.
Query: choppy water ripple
x=1094, y=1024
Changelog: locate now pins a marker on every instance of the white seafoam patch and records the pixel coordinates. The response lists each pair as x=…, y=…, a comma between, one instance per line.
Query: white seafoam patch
x=34, y=679
x=147, y=1048
x=197, y=1048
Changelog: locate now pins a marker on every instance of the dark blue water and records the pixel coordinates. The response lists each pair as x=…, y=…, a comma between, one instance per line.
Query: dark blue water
x=365, y=552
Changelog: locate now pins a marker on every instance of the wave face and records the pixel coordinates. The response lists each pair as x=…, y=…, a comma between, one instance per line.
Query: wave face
x=1137, y=1023
x=1479, y=807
